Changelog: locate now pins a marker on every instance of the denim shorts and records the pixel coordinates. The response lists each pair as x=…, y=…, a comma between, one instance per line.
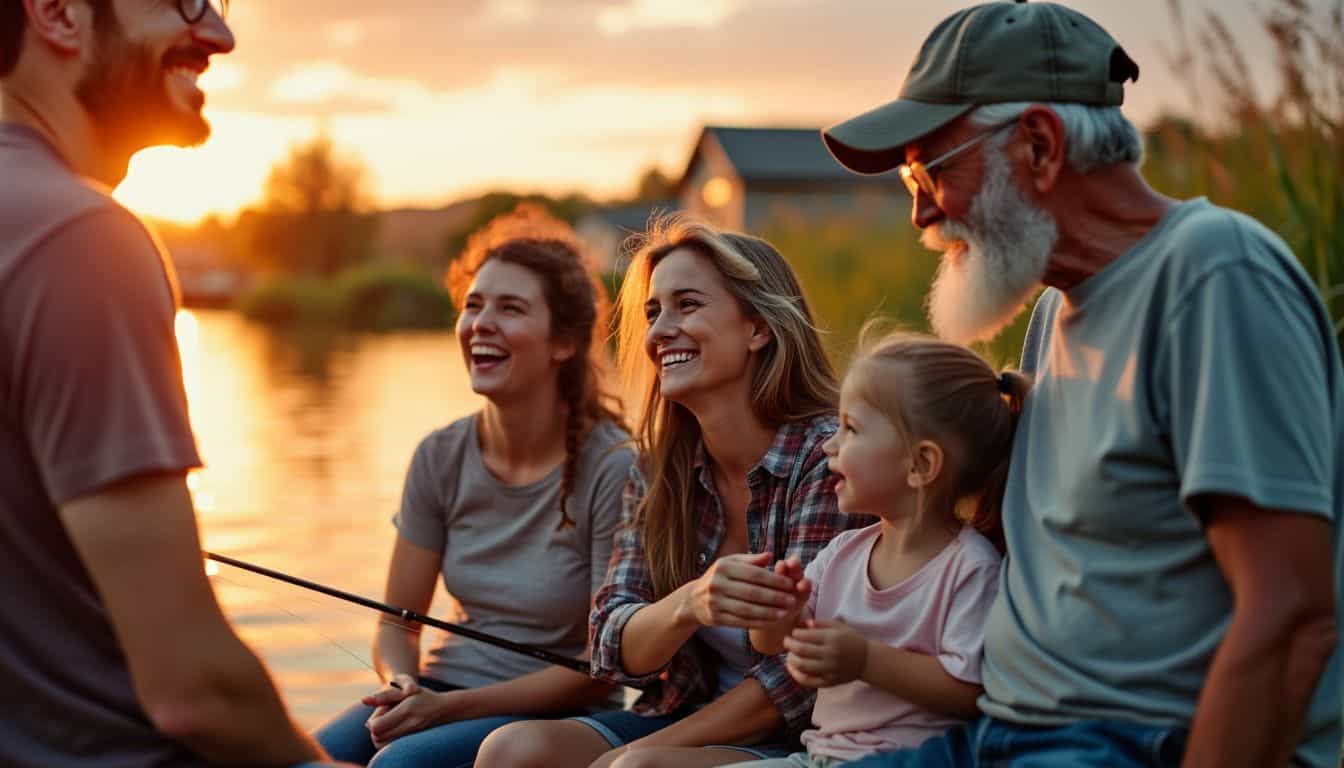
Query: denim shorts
x=621, y=726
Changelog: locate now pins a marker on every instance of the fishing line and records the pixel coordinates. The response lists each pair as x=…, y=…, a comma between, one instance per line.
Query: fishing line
x=274, y=601
x=249, y=583
x=404, y=614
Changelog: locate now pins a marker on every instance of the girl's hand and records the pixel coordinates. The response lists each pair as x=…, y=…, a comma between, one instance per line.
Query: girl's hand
x=741, y=591
x=823, y=654
x=792, y=569
x=415, y=712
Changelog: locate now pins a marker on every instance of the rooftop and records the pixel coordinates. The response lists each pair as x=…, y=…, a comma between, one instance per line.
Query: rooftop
x=780, y=154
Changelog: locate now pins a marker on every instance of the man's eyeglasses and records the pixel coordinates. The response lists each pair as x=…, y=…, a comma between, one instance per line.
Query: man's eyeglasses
x=194, y=10
x=918, y=177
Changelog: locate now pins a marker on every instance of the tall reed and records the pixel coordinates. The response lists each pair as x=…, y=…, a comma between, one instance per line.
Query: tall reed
x=1278, y=157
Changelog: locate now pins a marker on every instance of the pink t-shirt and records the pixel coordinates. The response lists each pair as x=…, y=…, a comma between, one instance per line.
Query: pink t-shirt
x=939, y=611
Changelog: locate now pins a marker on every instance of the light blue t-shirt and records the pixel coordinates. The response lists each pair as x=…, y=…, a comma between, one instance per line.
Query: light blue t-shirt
x=1200, y=362
x=733, y=647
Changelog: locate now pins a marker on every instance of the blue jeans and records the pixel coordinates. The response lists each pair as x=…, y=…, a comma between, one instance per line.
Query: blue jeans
x=989, y=743
x=452, y=745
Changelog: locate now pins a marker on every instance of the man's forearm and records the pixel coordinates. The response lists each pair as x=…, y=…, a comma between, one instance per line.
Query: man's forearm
x=1255, y=676
x=198, y=683
x=231, y=714
x=1281, y=634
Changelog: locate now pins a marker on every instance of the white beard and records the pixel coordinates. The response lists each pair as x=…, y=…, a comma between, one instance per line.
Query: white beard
x=992, y=262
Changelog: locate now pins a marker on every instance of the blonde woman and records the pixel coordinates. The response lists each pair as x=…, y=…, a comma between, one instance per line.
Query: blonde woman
x=739, y=399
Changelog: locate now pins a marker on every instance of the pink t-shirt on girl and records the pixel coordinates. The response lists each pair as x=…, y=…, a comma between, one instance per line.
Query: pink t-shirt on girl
x=939, y=611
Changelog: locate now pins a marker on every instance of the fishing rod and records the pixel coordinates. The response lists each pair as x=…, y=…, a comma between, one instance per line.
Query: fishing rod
x=404, y=614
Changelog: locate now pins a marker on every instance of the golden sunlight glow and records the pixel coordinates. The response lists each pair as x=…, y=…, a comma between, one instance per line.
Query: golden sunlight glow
x=648, y=14
x=222, y=76
x=221, y=176
x=436, y=156
x=717, y=192
x=345, y=34
x=511, y=11
x=518, y=114
x=188, y=332
x=211, y=568
x=313, y=83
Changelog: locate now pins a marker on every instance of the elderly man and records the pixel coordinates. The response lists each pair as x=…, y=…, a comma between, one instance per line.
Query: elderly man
x=1174, y=499
x=112, y=647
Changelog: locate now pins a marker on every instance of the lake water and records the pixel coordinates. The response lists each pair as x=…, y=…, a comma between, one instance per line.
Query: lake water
x=305, y=441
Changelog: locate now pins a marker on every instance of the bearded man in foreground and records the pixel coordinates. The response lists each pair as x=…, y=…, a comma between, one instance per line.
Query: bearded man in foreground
x=1173, y=505
x=113, y=648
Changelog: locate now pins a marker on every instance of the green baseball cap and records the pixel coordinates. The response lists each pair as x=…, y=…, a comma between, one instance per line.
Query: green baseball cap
x=987, y=54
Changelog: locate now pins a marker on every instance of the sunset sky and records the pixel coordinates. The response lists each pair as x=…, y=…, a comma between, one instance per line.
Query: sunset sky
x=445, y=98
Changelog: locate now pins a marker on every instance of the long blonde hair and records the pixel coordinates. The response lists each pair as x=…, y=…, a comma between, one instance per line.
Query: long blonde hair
x=930, y=389
x=791, y=380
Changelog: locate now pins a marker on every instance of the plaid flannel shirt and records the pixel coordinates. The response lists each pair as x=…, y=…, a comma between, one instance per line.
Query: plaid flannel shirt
x=792, y=511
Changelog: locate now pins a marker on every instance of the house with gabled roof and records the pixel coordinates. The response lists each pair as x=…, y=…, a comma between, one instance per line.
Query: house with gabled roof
x=741, y=179
x=607, y=230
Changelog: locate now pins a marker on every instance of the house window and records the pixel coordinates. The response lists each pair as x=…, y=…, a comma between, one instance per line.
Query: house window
x=717, y=192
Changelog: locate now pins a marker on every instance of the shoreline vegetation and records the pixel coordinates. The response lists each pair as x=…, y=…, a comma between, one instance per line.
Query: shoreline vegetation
x=372, y=297
x=1278, y=158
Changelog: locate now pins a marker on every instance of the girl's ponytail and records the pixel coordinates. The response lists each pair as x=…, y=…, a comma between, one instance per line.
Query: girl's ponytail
x=988, y=515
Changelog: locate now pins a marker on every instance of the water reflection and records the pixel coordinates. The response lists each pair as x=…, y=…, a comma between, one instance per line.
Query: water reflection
x=305, y=439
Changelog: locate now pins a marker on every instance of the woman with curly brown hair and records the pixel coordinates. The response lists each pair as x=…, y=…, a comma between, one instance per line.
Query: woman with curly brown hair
x=515, y=505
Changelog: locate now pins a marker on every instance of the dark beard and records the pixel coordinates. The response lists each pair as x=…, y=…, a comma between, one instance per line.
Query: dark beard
x=125, y=95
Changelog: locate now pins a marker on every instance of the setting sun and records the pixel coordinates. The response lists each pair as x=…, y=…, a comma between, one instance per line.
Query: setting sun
x=221, y=176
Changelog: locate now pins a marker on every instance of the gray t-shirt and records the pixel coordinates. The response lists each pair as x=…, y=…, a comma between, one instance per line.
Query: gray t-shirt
x=90, y=393
x=513, y=573
x=1200, y=362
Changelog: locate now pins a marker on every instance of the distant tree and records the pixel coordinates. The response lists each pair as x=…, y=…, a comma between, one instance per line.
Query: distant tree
x=569, y=209
x=654, y=185
x=312, y=219
x=312, y=177
x=212, y=230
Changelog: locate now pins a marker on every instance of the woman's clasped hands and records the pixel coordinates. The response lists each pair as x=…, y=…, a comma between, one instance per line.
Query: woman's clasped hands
x=745, y=591
x=403, y=707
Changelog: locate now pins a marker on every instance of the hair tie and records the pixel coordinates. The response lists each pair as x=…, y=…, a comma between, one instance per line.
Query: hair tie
x=1004, y=384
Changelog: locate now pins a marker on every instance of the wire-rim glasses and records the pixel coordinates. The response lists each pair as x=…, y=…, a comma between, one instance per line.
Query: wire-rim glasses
x=194, y=10
x=918, y=177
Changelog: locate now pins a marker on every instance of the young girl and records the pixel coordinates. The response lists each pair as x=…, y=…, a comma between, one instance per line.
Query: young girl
x=892, y=615
x=739, y=399
x=514, y=507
